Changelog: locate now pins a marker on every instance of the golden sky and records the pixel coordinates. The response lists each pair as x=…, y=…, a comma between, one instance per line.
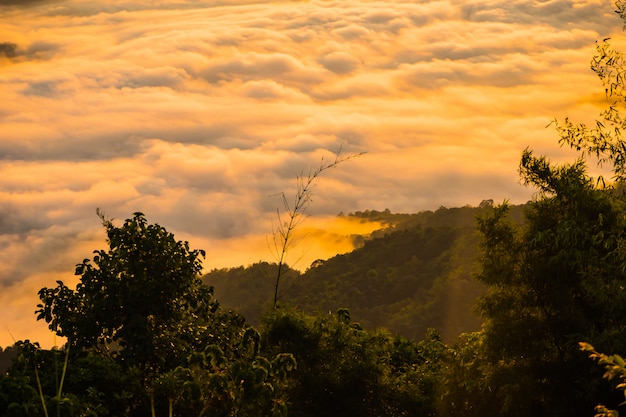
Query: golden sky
x=197, y=112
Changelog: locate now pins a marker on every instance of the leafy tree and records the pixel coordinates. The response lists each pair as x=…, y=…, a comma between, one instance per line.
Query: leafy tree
x=467, y=388
x=6, y=357
x=604, y=140
x=245, y=384
x=344, y=370
x=132, y=295
x=18, y=393
x=615, y=369
x=556, y=281
x=560, y=278
x=140, y=318
x=33, y=400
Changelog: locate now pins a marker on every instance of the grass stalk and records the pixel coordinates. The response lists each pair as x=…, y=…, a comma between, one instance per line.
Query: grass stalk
x=152, y=411
x=59, y=386
x=43, y=400
x=63, y=373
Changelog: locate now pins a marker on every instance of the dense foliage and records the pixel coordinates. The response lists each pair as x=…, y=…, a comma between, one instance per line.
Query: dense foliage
x=145, y=336
x=134, y=295
x=414, y=274
x=344, y=370
x=551, y=284
x=138, y=347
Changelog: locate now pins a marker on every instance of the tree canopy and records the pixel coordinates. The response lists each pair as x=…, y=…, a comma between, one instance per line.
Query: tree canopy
x=132, y=294
x=560, y=278
x=141, y=310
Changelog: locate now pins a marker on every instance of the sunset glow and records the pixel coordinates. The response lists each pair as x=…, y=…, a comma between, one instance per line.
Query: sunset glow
x=199, y=113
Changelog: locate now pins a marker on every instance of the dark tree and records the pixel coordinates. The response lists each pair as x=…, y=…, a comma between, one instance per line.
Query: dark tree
x=557, y=281
x=131, y=297
x=344, y=370
x=560, y=279
x=141, y=319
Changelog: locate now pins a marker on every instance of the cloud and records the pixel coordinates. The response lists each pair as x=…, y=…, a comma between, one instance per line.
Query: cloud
x=510, y=72
x=253, y=65
x=14, y=221
x=37, y=50
x=200, y=114
x=153, y=77
x=21, y=2
x=8, y=49
x=339, y=62
x=41, y=89
x=556, y=13
x=269, y=89
x=41, y=50
x=352, y=32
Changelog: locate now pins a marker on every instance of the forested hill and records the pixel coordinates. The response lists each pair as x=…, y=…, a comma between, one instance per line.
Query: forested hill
x=415, y=273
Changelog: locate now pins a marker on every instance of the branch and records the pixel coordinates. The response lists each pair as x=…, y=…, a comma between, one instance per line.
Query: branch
x=294, y=214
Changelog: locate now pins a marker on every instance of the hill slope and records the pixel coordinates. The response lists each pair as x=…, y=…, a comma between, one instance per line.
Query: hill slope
x=414, y=274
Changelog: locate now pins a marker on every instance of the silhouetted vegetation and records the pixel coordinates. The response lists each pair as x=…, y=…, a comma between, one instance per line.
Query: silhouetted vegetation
x=414, y=274
x=385, y=330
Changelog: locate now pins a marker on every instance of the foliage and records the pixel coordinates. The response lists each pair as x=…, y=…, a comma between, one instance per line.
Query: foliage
x=231, y=380
x=6, y=357
x=614, y=369
x=248, y=289
x=147, y=335
x=559, y=279
x=22, y=392
x=413, y=275
x=18, y=395
x=604, y=140
x=130, y=295
x=345, y=370
x=467, y=388
x=549, y=285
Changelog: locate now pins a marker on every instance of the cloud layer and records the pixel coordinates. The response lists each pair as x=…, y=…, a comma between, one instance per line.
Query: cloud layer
x=197, y=112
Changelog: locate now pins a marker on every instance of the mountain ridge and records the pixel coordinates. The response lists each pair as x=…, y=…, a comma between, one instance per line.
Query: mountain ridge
x=414, y=274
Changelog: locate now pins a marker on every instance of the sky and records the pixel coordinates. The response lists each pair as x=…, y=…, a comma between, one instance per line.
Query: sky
x=200, y=113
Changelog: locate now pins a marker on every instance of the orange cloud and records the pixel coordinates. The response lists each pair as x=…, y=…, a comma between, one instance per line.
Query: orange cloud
x=196, y=114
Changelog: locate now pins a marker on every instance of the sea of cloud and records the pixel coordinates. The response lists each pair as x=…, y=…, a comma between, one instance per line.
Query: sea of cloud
x=200, y=113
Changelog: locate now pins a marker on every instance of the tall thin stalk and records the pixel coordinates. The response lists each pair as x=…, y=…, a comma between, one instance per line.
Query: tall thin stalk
x=294, y=214
x=43, y=400
x=60, y=390
x=59, y=386
x=152, y=409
